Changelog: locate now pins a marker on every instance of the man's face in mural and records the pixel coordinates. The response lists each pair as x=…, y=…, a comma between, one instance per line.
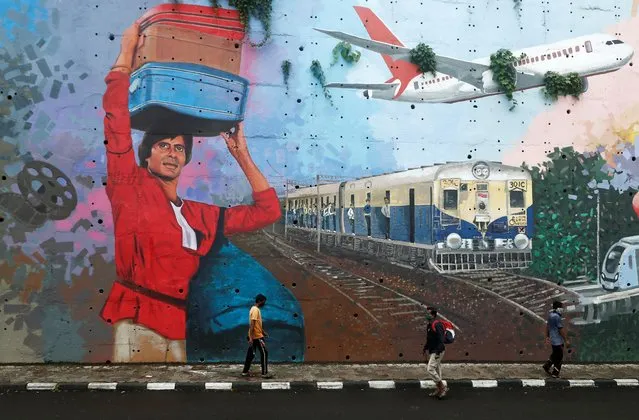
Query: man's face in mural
x=168, y=157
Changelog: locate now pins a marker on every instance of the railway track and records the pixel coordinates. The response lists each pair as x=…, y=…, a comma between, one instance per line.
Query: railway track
x=532, y=296
x=382, y=304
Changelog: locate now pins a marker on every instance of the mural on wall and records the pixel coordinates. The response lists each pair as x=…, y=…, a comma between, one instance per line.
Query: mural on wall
x=178, y=158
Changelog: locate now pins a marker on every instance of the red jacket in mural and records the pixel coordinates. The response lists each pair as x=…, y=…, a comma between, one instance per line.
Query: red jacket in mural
x=149, y=255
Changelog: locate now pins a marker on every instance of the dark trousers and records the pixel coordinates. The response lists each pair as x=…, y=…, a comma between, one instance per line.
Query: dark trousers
x=556, y=357
x=368, y=224
x=260, y=346
x=387, y=227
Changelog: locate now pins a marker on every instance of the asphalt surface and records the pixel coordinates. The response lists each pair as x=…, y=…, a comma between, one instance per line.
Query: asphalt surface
x=523, y=404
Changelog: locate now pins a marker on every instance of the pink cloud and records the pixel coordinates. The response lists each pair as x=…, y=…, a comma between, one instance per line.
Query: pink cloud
x=606, y=114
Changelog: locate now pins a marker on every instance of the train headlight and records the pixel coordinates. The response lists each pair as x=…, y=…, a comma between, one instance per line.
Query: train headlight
x=521, y=241
x=454, y=241
x=616, y=276
x=603, y=276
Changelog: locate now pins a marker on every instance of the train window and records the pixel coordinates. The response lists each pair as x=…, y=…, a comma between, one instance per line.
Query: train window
x=614, y=257
x=482, y=187
x=517, y=199
x=450, y=199
x=353, y=200
x=368, y=196
x=463, y=187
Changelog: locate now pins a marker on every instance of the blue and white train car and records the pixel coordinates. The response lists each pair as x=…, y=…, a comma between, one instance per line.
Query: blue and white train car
x=470, y=214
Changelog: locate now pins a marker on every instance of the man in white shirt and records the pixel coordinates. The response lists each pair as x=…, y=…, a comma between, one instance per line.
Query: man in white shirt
x=386, y=211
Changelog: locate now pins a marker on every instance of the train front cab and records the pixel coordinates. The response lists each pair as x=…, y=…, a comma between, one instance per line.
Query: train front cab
x=619, y=270
x=482, y=223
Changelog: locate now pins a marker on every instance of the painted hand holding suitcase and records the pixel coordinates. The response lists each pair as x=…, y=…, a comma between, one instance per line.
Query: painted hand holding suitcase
x=191, y=34
x=185, y=98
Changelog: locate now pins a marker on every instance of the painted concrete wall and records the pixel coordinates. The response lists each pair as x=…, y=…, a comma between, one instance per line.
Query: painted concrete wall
x=59, y=259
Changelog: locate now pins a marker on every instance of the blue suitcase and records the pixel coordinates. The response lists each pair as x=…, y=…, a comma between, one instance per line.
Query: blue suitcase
x=183, y=98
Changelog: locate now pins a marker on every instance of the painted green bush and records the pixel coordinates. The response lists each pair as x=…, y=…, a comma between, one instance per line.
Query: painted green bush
x=502, y=64
x=564, y=244
x=345, y=50
x=563, y=85
x=424, y=58
x=318, y=73
x=615, y=340
x=259, y=9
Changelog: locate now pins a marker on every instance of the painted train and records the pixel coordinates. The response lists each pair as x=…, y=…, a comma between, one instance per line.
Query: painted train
x=464, y=212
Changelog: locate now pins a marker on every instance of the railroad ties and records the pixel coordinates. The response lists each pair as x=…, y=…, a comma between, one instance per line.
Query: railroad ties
x=382, y=304
x=532, y=296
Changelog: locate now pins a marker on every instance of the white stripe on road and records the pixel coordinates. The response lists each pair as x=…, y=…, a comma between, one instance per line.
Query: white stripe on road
x=218, y=386
x=41, y=386
x=276, y=385
x=533, y=382
x=429, y=384
x=627, y=382
x=110, y=386
x=484, y=383
x=581, y=382
x=160, y=386
x=330, y=385
x=381, y=384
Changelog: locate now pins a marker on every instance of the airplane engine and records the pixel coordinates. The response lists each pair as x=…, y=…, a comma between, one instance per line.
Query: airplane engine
x=584, y=81
x=489, y=84
x=368, y=94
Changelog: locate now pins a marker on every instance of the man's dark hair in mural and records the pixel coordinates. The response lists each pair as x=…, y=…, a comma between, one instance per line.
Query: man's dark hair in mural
x=160, y=237
x=256, y=335
x=557, y=337
x=435, y=347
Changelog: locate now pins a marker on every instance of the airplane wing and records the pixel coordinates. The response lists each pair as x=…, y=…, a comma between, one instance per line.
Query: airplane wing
x=369, y=44
x=465, y=71
x=363, y=86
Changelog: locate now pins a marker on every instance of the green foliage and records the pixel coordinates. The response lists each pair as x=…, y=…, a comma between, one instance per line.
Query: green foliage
x=502, y=64
x=423, y=57
x=318, y=73
x=563, y=85
x=286, y=71
x=260, y=9
x=615, y=340
x=345, y=50
x=565, y=215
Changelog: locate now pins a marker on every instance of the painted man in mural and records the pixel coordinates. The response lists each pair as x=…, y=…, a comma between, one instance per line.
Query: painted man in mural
x=160, y=237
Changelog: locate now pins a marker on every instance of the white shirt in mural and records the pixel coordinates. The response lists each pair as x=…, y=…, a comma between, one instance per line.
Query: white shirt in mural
x=188, y=234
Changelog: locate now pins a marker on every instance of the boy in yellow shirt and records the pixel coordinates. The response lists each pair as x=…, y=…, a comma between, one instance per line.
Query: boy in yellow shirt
x=256, y=335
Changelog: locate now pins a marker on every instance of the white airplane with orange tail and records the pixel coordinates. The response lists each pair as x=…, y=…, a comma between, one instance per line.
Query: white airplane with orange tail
x=458, y=80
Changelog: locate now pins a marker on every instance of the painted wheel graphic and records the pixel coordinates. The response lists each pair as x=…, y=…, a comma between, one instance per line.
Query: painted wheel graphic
x=47, y=189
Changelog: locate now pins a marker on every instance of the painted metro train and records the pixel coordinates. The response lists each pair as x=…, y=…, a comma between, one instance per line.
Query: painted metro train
x=458, y=208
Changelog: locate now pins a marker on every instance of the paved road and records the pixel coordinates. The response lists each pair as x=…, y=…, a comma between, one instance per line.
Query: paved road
x=523, y=404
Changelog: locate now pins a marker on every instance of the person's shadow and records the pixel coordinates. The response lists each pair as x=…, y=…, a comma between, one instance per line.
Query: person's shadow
x=220, y=297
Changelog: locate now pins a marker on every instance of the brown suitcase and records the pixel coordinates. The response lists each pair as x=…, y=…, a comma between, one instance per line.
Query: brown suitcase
x=166, y=43
x=189, y=33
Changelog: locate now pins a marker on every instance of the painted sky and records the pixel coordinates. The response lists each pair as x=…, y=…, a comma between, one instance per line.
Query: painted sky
x=300, y=134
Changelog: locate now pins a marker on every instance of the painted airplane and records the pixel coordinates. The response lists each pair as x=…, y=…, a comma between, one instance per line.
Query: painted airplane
x=458, y=80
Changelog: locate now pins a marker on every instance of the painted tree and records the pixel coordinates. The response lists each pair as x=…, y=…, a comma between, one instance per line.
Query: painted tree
x=564, y=190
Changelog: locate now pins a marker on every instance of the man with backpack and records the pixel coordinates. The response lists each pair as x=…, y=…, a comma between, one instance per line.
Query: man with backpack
x=438, y=334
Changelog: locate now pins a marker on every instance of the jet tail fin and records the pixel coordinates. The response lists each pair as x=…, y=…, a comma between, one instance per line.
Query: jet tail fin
x=401, y=69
